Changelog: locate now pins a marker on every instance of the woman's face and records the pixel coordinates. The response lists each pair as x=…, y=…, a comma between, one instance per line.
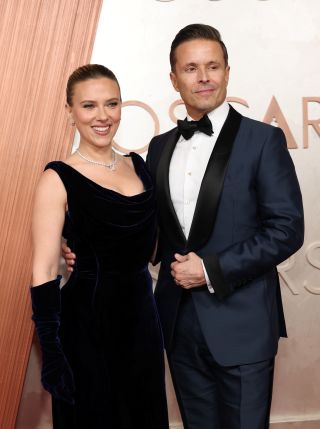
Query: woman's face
x=96, y=111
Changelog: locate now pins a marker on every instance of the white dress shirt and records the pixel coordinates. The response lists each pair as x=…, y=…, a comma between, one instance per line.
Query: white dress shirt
x=187, y=167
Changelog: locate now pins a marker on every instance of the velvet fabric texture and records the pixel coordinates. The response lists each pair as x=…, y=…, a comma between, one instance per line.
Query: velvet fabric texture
x=56, y=374
x=110, y=329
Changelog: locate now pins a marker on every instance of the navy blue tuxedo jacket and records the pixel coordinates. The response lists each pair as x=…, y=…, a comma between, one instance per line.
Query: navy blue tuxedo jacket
x=248, y=219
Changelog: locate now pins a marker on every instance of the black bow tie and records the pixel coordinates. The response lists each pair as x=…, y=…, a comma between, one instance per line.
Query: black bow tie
x=188, y=128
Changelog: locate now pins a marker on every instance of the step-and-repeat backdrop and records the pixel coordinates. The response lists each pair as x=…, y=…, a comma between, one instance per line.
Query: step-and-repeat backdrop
x=275, y=77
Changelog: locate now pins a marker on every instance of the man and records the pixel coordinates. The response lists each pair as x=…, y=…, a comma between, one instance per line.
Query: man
x=230, y=211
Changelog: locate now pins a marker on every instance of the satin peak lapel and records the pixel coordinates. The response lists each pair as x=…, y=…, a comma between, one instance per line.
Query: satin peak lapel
x=212, y=183
x=168, y=219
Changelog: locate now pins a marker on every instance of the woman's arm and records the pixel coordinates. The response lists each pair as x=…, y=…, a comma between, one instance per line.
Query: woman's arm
x=47, y=224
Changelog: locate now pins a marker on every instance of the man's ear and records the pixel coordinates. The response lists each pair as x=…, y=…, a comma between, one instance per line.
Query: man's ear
x=227, y=74
x=174, y=82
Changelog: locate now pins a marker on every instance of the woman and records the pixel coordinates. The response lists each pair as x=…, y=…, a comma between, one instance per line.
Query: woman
x=100, y=336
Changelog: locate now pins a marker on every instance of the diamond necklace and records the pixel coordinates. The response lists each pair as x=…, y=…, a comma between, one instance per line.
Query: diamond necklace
x=111, y=165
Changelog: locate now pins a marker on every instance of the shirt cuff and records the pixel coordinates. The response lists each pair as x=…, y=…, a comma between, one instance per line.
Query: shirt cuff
x=209, y=285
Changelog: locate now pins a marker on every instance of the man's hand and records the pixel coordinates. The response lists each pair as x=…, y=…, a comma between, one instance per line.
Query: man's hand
x=187, y=271
x=68, y=256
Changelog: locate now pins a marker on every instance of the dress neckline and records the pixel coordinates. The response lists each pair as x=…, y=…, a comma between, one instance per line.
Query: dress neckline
x=132, y=155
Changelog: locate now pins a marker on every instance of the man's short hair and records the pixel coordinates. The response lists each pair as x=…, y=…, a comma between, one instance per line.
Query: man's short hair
x=193, y=32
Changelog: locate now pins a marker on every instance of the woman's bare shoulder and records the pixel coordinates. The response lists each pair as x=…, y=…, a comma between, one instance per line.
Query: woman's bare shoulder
x=50, y=185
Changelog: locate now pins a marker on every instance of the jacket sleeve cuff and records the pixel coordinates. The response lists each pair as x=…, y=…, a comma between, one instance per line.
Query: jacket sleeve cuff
x=215, y=274
x=208, y=282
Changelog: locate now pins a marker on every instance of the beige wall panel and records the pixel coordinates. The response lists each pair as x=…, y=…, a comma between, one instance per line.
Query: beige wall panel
x=41, y=42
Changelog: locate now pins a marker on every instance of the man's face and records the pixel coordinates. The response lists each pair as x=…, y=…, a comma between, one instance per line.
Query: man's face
x=200, y=75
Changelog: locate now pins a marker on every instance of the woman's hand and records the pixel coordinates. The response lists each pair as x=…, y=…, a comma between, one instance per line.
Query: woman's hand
x=68, y=256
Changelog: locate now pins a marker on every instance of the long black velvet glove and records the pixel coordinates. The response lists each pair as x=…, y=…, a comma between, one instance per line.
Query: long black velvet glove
x=56, y=374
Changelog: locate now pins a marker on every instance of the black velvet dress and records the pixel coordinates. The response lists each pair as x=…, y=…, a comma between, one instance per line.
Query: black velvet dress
x=110, y=329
